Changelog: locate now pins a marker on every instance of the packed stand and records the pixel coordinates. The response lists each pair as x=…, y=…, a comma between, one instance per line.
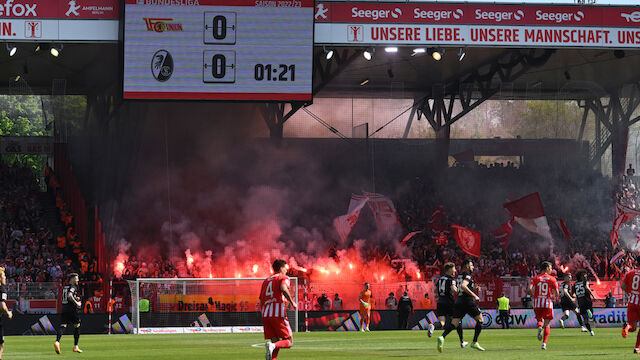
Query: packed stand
x=473, y=197
x=27, y=244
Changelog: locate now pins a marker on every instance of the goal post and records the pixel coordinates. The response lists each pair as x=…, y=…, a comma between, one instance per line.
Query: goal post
x=206, y=305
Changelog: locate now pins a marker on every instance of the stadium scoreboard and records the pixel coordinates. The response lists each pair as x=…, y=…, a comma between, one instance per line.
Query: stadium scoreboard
x=218, y=50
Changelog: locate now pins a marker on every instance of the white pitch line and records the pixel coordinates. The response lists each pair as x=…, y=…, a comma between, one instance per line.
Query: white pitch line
x=308, y=340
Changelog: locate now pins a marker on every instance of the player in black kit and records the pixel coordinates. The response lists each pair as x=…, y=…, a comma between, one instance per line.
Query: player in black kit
x=568, y=303
x=70, y=313
x=583, y=294
x=3, y=307
x=446, y=287
x=466, y=304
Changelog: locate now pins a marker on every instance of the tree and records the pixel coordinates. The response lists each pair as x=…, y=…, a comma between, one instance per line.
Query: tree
x=23, y=115
x=549, y=119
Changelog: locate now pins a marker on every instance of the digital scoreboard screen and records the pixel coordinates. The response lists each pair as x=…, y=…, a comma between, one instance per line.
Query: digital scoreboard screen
x=218, y=50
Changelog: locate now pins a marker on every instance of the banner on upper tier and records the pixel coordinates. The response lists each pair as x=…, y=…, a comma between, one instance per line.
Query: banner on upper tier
x=60, y=9
x=59, y=20
x=476, y=25
x=26, y=145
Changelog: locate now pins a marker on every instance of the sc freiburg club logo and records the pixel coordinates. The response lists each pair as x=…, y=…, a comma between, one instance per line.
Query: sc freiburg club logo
x=162, y=65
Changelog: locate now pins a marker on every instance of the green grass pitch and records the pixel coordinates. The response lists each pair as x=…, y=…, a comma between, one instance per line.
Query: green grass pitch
x=500, y=344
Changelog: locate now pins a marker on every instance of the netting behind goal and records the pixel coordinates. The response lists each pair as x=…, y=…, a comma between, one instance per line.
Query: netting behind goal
x=200, y=305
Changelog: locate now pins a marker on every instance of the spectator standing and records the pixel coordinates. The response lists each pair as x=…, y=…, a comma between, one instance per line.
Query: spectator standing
x=324, y=302
x=337, y=303
x=391, y=303
x=610, y=300
x=405, y=308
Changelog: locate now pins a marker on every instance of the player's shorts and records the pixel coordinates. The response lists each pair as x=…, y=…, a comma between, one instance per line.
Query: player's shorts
x=585, y=306
x=633, y=313
x=365, y=311
x=70, y=318
x=445, y=309
x=276, y=327
x=543, y=313
x=567, y=305
x=1, y=333
x=464, y=308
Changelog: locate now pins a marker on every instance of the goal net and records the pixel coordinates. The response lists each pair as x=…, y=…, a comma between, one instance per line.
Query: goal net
x=178, y=306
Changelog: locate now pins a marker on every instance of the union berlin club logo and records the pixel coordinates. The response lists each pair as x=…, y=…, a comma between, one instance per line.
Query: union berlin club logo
x=162, y=24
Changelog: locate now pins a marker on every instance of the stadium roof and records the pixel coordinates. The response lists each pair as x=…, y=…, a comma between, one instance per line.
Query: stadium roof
x=568, y=74
x=86, y=68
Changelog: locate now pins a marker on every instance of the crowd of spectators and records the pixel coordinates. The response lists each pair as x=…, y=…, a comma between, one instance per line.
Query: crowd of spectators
x=473, y=197
x=156, y=268
x=28, y=247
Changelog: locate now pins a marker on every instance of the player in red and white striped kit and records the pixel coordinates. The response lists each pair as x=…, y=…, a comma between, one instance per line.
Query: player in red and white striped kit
x=544, y=288
x=274, y=296
x=631, y=285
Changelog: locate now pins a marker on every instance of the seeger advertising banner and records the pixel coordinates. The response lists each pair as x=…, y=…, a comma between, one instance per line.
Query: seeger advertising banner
x=476, y=25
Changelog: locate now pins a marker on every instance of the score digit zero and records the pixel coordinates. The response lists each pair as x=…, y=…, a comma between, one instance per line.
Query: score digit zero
x=220, y=27
x=218, y=66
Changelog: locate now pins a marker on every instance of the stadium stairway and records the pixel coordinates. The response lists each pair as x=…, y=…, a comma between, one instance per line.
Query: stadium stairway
x=50, y=213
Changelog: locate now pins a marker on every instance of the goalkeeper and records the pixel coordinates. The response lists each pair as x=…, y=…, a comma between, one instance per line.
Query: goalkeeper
x=365, y=308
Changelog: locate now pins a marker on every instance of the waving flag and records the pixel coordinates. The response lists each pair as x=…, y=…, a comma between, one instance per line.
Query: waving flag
x=616, y=257
x=468, y=240
x=623, y=214
x=384, y=212
x=564, y=229
x=409, y=236
x=503, y=233
x=345, y=223
x=529, y=213
x=439, y=233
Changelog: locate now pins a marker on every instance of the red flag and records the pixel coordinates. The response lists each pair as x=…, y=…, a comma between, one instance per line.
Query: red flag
x=623, y=214
x=436, y=214
x=464, y=156
x=467, y=239
x=439, y=233
x=529, y=213
x=528, y=207
x=564, y=229
x=503, y=233
x=409, y=236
